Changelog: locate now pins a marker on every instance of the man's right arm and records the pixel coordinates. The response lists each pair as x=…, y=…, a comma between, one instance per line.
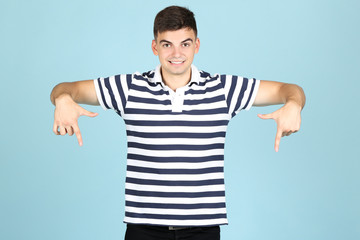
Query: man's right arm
x=65, y=97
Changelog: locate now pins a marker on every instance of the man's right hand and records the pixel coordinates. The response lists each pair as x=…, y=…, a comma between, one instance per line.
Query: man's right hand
x=67, y=112
x=65, y=97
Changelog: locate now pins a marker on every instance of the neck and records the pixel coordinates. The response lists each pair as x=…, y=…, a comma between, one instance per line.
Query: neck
x=175, y=81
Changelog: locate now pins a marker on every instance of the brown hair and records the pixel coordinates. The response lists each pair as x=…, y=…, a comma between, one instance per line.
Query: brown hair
x=174, y=18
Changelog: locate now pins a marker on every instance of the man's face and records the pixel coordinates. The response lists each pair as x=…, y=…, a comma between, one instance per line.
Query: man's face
x=176, y=50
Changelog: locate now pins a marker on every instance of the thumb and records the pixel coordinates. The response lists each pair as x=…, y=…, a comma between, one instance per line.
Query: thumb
x=265, y=116
x=88, y=113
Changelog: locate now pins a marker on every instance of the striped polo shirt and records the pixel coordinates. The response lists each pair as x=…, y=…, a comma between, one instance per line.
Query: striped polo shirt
x=175, y=158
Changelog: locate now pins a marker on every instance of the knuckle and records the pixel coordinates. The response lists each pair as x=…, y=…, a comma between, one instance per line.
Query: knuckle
x=66, y=123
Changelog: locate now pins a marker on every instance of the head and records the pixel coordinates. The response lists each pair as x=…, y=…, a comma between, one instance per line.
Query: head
x=176, y=40
x=174, y=18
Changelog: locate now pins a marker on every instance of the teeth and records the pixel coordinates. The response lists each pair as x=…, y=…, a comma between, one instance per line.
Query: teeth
x=176, y=62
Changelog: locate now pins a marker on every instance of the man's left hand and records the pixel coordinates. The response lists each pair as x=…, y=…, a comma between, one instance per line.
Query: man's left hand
x=288, y=120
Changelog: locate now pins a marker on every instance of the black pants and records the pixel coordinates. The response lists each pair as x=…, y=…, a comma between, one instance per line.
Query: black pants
x=146, y=232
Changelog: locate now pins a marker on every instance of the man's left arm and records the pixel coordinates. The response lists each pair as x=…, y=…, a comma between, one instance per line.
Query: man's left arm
x=288, y=117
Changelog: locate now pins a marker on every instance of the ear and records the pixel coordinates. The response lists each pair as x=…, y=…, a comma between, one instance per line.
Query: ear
x=154, y=47
x=197, y=45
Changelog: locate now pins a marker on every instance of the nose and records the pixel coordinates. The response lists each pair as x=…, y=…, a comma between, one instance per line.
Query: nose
x=177, y=52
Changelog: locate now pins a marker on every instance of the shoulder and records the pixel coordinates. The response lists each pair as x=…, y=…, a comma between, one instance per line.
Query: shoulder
x=145, y=77
x=205, y=77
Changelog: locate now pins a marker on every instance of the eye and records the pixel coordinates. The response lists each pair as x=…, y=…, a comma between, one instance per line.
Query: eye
x=185, y=44
x=166, y=45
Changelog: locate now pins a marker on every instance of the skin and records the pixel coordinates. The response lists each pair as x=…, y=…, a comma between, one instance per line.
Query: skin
x=176, y=51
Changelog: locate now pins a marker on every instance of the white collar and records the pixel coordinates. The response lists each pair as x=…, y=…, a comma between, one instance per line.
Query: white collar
x=195, y=76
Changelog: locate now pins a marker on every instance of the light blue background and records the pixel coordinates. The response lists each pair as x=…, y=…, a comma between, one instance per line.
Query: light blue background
x=50, y=188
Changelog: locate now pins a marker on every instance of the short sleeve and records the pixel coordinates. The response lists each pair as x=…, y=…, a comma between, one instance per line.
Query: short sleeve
x=240, y=92
x=112, y=92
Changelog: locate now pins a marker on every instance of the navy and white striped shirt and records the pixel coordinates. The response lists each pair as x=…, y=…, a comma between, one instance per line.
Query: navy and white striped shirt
x=175, y=161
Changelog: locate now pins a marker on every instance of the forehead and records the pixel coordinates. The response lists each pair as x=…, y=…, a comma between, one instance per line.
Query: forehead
x=177, y=35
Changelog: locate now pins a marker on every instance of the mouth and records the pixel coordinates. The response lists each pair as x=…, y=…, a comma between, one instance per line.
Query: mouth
x=176, y=62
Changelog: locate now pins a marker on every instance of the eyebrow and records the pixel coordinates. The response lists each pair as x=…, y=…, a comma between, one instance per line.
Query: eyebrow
x=189, y=39
x=166, y=41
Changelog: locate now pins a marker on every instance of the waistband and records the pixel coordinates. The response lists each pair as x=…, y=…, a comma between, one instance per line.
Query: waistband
x=170, y=228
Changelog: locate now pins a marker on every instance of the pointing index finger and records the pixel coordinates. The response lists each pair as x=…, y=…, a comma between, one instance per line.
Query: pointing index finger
x=277, y=139
x=78, y=134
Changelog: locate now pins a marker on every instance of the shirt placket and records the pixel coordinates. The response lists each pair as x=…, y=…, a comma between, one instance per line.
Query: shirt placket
x=177, y=99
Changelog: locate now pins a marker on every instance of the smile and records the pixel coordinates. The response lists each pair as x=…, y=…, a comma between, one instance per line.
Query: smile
x=176, y=62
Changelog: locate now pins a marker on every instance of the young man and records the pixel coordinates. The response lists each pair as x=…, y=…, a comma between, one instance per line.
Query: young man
x=176, y=118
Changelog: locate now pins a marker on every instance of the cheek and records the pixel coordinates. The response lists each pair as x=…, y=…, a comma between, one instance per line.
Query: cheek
x=163, y=54
x=190, y=53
